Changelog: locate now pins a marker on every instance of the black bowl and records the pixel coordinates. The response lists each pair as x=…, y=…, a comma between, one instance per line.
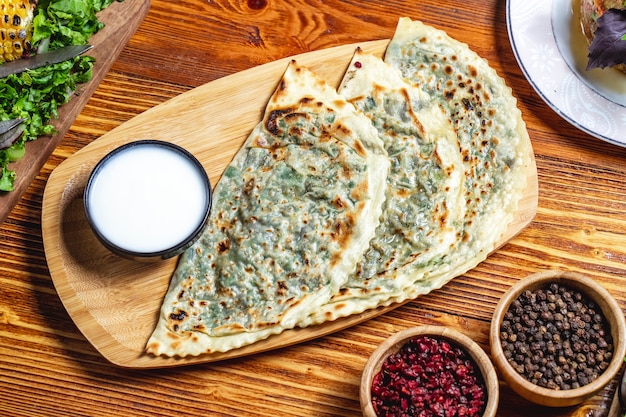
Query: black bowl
x=125, y=249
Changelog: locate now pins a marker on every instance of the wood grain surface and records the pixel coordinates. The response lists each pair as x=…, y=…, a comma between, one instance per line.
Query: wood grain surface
x=48, y=368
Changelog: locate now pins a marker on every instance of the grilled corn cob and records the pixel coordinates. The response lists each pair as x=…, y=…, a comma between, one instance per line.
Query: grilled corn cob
x=16, y=28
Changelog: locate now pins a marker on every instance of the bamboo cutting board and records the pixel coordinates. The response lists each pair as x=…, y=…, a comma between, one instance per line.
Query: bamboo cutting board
x=114, y=301
x=121, y=20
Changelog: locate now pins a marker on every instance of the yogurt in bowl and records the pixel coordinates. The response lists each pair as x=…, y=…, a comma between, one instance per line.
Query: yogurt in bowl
x=148, y=200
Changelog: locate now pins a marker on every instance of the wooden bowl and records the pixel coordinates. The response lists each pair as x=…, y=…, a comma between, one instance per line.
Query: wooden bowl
x=621, y=392
x=554, y=397
x=395, y=342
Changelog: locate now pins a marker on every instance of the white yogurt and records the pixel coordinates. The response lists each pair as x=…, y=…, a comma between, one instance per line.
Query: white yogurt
x=147, y=198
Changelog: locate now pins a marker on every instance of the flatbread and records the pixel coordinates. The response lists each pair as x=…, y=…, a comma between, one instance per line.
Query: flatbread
x=424, y=209
x=328, y=211
x=493, y=153
x=493, y=139
x=494, y=143
x=291, y=216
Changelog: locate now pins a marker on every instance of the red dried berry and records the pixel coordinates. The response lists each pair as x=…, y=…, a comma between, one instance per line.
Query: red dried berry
x=429, y=377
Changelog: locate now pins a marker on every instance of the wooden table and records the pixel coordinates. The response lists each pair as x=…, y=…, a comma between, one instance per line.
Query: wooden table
x=48, y=368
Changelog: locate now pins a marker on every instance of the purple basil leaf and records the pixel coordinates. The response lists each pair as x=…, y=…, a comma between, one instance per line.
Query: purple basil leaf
x=608, y=48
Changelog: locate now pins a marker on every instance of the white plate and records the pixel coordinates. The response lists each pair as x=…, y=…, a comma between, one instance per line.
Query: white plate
x=551, y=52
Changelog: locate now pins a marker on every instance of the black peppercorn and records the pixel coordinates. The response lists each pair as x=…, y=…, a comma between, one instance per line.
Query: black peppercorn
x=556, y=338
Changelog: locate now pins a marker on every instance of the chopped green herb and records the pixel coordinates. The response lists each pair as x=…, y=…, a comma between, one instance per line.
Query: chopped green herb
x=35, y=95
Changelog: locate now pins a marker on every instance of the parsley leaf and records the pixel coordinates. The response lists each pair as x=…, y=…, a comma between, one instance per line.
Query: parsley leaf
x=35, y=95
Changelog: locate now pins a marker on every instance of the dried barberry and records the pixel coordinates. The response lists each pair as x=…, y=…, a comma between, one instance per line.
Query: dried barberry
x=429, y=377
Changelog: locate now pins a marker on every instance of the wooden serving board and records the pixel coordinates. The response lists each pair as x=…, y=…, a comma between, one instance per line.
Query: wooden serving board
x=114, y=301
x=121, y=21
